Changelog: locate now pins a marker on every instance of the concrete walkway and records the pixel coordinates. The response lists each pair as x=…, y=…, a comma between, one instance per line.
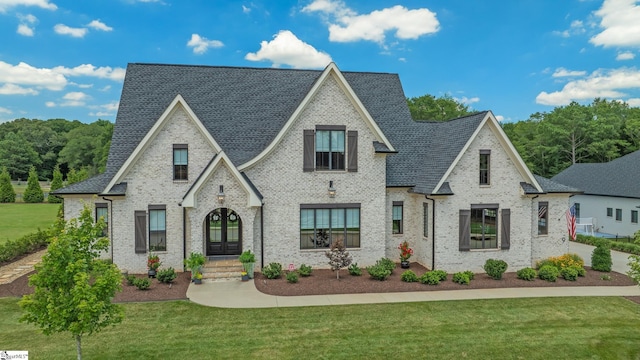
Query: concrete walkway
x=237, y=294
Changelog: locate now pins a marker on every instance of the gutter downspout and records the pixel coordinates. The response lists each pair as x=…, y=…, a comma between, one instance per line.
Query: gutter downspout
x=262, y=235
x=110, y=232
x=433, y=232
x=184, y=235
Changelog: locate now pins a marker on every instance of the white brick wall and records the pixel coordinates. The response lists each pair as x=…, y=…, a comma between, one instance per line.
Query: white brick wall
x=284, y=185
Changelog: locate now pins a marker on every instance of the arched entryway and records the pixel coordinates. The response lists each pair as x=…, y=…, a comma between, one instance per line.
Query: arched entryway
x=223, y=232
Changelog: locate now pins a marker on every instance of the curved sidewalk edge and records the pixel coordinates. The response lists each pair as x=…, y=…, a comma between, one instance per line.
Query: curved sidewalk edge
x=237, y=294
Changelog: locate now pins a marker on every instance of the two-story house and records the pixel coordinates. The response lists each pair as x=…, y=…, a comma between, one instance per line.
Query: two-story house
x=283, y=162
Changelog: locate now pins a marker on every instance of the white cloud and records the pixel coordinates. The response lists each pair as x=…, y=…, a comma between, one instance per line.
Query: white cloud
x=575, y=28
x=25, y=74
x=75, y=98
x=500, y=118
x=106, y=88
x=44, y=4
x=467, y=101
x=628, y=55
x=104, y=72
x=562, y=72
x=635, y=102
x=601, y=83
x=25, y=30
x=287, y=49
x=66, y=30
x=348, y=26
x=99, y=25
x=13, y=89
x=5, y=110
x=619, y=19
x=245, y=9
x=201, y=44
x=50, y=104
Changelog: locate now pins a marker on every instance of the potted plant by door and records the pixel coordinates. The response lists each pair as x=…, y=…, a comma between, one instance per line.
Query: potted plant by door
x=197, y=279
x=153, y=263
x=194, y=263
x=245, y=276
x=405, y=254
x=248, y=261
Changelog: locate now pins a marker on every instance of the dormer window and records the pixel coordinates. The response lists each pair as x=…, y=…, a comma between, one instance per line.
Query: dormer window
x=330, y=147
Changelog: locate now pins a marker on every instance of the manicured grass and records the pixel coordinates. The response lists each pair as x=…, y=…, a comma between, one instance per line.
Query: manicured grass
x=543, y=328
x=17, y=220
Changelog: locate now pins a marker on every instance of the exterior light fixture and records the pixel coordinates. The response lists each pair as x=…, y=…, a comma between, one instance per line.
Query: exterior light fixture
x=221, y=194
x=332, y=190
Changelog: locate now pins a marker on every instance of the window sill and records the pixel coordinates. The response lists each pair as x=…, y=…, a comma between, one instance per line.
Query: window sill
x=397, y=234
x=485, y=250
x=181, y=181
x=325, y=249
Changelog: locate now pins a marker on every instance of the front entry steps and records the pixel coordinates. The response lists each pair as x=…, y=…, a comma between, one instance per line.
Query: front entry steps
x=220, y=269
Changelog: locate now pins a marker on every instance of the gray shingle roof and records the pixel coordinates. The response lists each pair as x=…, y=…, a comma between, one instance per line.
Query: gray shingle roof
x=618, y=177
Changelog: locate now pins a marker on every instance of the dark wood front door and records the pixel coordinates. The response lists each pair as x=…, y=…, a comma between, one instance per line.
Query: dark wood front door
x=224, y=232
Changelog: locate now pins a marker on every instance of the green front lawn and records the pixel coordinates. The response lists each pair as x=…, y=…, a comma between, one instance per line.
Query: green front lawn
x=19, y=219
x=543, y=328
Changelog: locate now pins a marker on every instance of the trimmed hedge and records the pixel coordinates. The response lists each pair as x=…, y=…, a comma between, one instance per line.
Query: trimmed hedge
x=29, y=243
x=626, y=247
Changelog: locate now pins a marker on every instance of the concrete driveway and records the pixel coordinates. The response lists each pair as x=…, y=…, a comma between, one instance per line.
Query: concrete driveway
x=619, y=259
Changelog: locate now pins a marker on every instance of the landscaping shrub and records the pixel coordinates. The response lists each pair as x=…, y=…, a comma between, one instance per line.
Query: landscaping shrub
x=601, y=258
x=442, y=275
x=388, y=264
x=470, y=274
x=409, y=276
x=461, y=278
x=29, y=243
x=292, y=277
x=272, y=271
x=354, y=270
x=131, y=279
x=166, y=276
x=581, y=271
x=548, y=273
x=142, y=283
x=33, y=193
x=429, y=278
x=613, y=245
x=7, y=193
x=569, y=273
x=495, y=268
x=378, y=271
x=565, y=261
x=56, y=183
x=305, y=270
x=527, y=273
x=544, y=262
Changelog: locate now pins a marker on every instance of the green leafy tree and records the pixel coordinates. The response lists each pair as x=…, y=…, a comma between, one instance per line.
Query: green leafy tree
x=17, y=155
x=86, y=147
x=33, y=193
x=73, y=288
x=76, y=176
x=7, y=193
x=429, y=107
x=56, y=183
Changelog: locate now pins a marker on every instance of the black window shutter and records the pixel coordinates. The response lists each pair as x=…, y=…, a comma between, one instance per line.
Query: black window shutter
x=505, y=239
x=465, y=229
x=141, y=232
x=352, y=137
x=309, y=150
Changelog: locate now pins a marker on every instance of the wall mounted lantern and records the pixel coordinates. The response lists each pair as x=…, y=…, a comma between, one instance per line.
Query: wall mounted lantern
x=332, y=190
x=221, y=194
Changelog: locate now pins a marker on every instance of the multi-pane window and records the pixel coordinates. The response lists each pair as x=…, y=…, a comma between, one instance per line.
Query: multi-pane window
x=321, y=225
x=618, y=214
x=634, y=216
x=485, y=167
x=102, y=212
x=180, y=162
x=577, y=207
x=483, y=228
x=330, y=150
x=157, y=228
x=543, y=218
x=425, y=219
x=609, y=212
x=396, y=217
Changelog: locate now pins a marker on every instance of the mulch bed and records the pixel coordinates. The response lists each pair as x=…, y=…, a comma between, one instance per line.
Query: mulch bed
x=324, y=281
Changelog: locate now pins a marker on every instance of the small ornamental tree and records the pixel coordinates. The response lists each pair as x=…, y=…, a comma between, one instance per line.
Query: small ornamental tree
x=7, y=194
x=73, y=288
x=56, y=183
x=33, y=192
x=338, y=257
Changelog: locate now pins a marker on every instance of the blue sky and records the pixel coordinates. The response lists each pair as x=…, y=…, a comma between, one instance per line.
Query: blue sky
x=67, y=58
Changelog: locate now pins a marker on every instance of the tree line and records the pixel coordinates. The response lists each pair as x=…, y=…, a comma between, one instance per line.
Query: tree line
x=78, y=149
x=550, y=142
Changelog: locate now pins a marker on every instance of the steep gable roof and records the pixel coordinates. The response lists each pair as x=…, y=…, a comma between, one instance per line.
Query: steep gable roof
x=618, y=177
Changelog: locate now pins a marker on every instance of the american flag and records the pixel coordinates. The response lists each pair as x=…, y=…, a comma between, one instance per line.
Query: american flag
x=571, y=221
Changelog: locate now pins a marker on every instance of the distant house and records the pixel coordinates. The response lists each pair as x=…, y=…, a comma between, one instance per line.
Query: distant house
x=611, y=194
x=284, y=162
